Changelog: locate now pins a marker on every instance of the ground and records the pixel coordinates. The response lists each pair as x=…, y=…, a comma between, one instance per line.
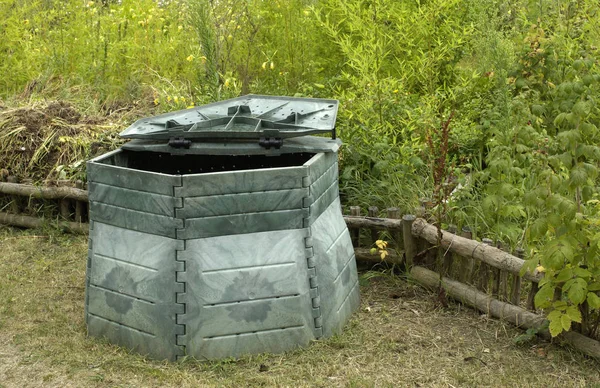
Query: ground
x=400, y=337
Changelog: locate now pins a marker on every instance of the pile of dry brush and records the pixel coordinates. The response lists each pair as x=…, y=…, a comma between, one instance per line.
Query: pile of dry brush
x=48, y=142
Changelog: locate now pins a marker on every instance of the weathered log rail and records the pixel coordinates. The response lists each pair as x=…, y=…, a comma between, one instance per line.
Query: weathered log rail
x=479, y=274
x=60, y=192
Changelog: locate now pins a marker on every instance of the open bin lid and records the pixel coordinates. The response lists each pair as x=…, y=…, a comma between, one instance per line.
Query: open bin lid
x=267, y=119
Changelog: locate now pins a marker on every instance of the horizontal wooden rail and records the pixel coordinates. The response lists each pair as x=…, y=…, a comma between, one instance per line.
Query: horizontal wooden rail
x=36, y=222
x=60, y=192
x=472, y=249
x=373, y=223
x=505, y=311
x=365, y=254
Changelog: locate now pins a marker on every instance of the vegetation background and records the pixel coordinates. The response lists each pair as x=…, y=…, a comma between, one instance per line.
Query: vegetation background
x=514, y=84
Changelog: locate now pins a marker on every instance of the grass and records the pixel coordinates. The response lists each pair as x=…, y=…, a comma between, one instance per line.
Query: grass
x=400, y=337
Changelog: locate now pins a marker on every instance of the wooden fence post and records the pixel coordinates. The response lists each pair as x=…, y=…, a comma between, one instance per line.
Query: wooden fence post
x=373, y=211
x=410, y=245
x=355, y=233
x=394, y=213
x=449, y=256
x=79, y=204
x=467, y=262
x=64, y=207
x=501, y=279
x=531, y=296
x=516, y=288
x=484, y=270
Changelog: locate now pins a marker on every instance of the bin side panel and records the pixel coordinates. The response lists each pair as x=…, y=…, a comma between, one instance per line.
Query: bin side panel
x=248, y=181
x=335, y=269
x=247, y=294
x=133, y=199
x=319, y=164
x=242, y=223
x=134, y=220
x=131, y=179
x=219, y=205
x=131, y=290
x=323, y=202
x=322, y=182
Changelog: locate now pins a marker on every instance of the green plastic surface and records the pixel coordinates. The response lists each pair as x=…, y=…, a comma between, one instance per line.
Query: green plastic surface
x=218, y=264
x=246, y=117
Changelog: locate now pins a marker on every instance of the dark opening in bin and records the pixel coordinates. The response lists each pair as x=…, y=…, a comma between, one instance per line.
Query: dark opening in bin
x=197, y=164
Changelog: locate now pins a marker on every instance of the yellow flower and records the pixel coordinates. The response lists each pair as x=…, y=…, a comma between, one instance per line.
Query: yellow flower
x=264, y=65
x=26, y=21
x=396, y=91
x=227, y=83
x=156, y=101
x=189, y=107
x=169, y=98
x=190, y=58
x=272, y=66
x=540, y=269
x=180, y=28
x=176, y=99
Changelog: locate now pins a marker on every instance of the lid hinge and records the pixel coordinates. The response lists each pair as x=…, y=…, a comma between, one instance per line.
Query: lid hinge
x=268, y=142
x=179, y=142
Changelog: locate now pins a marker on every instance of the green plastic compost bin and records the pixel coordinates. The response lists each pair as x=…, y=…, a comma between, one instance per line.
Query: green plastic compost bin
x=217, y=231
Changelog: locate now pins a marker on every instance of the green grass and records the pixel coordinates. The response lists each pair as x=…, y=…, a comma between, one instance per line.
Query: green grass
x=400, y=337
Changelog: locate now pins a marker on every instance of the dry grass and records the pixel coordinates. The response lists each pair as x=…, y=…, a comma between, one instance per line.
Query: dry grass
x=400, y=337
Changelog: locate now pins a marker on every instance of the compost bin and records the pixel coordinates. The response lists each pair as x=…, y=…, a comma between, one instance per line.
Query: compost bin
x=217, y=231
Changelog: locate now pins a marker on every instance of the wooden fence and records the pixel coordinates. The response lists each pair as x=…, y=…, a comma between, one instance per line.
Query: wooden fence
x=477, y=273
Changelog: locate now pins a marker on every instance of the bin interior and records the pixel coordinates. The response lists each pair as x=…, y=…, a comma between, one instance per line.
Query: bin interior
x=197, y=164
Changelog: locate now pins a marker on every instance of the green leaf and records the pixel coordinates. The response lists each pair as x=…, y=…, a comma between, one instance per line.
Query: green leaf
x=560, y=119
x=544, y=296
x=568, y=285
x=593, y=300
x=574, y=313
x=555, y=327
x=564, y=275
x=539, y=228
x=581, y=108
x=554, y=315
x=528, y=266
x=537, y=110
x=578, y=176
x=595, y=286
x=577, y=292
x=556, y=253
x=560, y=305
x=565, y=321
x=582, y=272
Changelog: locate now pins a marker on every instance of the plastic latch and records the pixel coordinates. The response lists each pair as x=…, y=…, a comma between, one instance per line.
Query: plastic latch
x=179, y=142
x=268, y=142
